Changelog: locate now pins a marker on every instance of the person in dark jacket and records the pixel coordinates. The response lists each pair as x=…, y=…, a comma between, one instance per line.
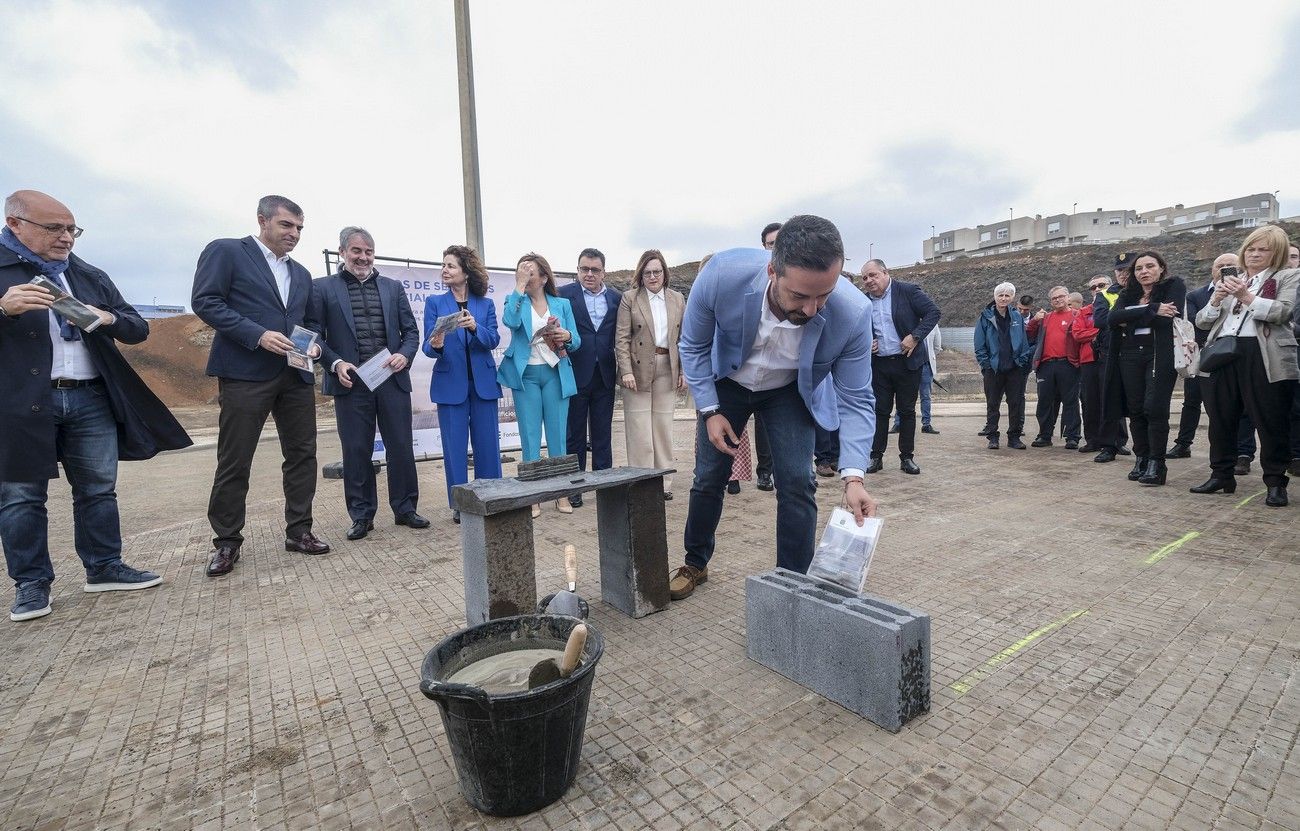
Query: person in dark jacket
x=1112, y=435
x=69, y=397
x=1190, y=417
x=1085, y=333
x=1140, y=372
x=1003, y=352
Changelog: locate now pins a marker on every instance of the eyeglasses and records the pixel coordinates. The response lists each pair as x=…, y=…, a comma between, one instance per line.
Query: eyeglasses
x=587, y=269
x=55, y=228
x=1098, y=287
x=649, y=273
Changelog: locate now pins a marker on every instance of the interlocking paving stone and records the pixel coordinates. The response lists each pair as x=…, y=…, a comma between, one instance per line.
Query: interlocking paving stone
x=285, y=695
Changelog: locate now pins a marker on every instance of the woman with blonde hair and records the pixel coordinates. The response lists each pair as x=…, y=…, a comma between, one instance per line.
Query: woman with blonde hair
x=1260, y=374
x=650, y=371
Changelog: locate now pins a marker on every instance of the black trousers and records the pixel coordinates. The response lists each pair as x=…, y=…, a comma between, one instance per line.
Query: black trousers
x=763, y=450
x=1243, y=386
x=1111, y=433
x=895, y=385
x=1009, y=385
x=1146, y=397
x=357, y=413
x=1090, y=390
x=591, y=418
x=1190, y=416
x=1058, y=392
x=244, y=408
x=827, y=446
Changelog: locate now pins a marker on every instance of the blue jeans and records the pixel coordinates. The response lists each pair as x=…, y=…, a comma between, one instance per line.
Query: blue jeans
x=790, y=435
x=86, y=443
x=927, y=378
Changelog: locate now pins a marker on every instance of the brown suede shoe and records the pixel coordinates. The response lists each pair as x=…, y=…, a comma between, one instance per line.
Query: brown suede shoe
x=306, y=543
x=684, y=581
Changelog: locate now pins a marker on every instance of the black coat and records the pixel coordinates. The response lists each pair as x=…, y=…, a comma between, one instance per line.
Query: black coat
x=1120, y=321
x=27, y=444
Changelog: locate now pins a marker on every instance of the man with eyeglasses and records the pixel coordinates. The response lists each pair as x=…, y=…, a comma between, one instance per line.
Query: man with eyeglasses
x=595, y=369
x=253, y=295
x=71, y=398
x=1056, y=367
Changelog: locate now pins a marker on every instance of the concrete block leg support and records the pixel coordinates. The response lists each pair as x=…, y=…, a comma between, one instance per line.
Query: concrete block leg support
x=500, y=569
x=633, y=548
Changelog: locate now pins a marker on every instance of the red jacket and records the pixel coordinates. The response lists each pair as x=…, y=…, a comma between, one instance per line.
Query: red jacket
x=1035, y=331
x=1082, y=332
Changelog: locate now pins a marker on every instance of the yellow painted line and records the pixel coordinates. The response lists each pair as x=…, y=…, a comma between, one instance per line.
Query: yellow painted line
x=1172, y=547
x=1247, y=499
x=964, y=685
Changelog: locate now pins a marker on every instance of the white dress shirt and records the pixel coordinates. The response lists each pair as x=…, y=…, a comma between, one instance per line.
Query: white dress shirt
x=774, y=359
x=71, y=358
x=1241, y=325
x=279, y=268
x=659, y=312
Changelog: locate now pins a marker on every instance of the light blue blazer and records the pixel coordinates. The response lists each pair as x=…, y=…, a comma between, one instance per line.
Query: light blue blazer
x=518, y=318
x=450, y=382
x=718, y=332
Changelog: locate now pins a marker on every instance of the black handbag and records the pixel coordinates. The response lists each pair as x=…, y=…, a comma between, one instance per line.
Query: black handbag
x=1220, y=352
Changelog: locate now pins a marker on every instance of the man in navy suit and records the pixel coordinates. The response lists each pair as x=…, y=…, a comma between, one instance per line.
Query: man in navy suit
x=359, y=313
x=252, y=295
x=901, y=317
x=1190, y=417
x=761, y=334
x=591, y=410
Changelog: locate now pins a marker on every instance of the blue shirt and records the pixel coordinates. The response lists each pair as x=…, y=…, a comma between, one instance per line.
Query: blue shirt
x=882, y=324
x=597, y=305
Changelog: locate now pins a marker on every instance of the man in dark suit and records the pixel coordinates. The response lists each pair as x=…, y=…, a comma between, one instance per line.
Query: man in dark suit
x=252, y=294
x=591, y=411
x=359, y=314
x=1190, y=417
x=901, y=317
x=70, y=397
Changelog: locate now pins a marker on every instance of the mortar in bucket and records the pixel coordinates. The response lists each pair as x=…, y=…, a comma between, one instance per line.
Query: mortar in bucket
x=518, y=752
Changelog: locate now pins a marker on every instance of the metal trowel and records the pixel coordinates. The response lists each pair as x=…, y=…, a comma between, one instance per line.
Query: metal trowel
x=568, y=602
x=544, y=672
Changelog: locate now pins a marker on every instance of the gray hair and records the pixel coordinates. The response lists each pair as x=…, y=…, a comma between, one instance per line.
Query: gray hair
x=1001, y=287
x=15, y=204
x=351, y=231
x=878, y=263
x=268, y=205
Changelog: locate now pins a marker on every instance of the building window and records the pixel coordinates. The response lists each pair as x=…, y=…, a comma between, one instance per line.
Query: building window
x=1162, y=217
x=1115, y=220
x=1202, y=215
x=1225, y=211
x=1094, y=220
x=1265, y=204
x=986, y=236
x=1249, y=222
x=1002, y=233
x=1180, y=220
x=1053, y=227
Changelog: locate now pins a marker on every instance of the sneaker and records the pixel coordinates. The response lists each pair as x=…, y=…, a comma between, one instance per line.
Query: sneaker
x=993, y=444
x=32, y=600
x=684, y=581
x=765, y=483
x=120, y=577
x=1015, y=444
x=929, y=428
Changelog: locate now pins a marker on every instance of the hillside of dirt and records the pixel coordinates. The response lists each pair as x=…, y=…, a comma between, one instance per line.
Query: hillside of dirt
x=964, y=286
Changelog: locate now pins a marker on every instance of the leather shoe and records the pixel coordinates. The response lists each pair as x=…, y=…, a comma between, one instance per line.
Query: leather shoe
x=1071, y=445
x=1242, y=468
x=668, y=496
x=576, y=500
x=825, y=469
x=684, y=581
x=1214, y=485
x=733, y=487
x=306, y=543
x=412, y=520
x=360, y=528
x=1276, y=496
x=765, y=483
x=1123, y=451
x=455, y=516
x=909, y=466
x=928, y=428
x=1088, y=448
x=1180, y=451
x=1041, y=442
x=877, y=465
x=1107, y=454
x=223, y=560
x=1016, y=444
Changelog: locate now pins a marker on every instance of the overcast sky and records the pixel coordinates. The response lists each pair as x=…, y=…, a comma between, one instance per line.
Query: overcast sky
x=684, y=126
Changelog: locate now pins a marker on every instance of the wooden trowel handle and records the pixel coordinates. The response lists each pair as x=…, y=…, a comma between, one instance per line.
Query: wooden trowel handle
x=573, y=650
x=571, y=565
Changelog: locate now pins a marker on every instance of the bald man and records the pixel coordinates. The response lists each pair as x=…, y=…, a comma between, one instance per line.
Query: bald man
x=70, y=397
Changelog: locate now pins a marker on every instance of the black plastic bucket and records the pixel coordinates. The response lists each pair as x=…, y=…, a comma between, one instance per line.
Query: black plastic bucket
x=519, y=752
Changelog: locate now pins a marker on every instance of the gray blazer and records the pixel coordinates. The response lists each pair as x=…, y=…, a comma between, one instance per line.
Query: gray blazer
x=1277, y=341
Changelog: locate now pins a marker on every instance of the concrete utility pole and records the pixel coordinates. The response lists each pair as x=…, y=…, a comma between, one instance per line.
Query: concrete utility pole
x=468, y=132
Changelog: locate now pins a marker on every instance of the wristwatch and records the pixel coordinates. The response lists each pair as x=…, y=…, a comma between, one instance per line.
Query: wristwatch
x=705, y=413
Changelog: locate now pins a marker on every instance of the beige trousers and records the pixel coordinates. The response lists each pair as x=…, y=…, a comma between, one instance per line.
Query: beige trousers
x=648, y=421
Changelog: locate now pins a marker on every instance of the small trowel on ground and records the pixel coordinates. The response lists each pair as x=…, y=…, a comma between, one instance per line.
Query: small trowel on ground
x=544, y=672
x=568, y=602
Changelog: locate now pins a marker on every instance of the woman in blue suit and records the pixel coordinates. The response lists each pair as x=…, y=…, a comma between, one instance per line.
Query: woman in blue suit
x=539, y=372
x=464, y=384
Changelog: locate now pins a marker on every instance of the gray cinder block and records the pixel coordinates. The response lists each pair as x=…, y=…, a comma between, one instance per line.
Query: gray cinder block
x=867, y=654
x=499, y=582
x=630, y=523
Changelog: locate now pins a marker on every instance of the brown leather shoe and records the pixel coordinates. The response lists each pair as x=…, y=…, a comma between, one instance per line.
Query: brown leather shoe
x=684, y=581
x=306, y=543
x=223, y=560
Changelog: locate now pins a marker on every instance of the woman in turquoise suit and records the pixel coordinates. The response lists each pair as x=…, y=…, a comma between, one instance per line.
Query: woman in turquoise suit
x=538, y=370
x=464, y=384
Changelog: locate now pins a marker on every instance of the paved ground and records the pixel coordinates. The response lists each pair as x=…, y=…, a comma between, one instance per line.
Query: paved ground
x=1105, y=656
